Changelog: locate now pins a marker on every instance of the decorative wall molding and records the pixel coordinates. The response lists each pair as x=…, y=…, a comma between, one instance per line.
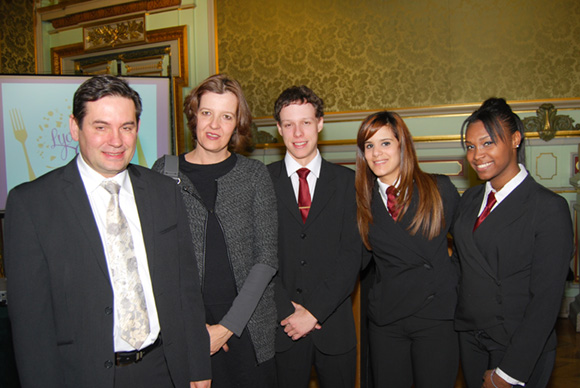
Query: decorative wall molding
x=69, y=14
x=179, y=35
x=436, y=111
x=437, y=141
x=449, y=167
x=114, y=34
x=546, y=166
x=547, y=122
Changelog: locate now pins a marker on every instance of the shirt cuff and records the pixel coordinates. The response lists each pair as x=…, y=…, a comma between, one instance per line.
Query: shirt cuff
x=507, y=378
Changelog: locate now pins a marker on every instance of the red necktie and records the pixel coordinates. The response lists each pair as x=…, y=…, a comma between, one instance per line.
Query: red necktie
x=490, y=202
x=392, y=202
x=304, y=200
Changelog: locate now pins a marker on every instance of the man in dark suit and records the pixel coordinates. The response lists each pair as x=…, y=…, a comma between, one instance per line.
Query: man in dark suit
x=319, y=251
x=101, y=277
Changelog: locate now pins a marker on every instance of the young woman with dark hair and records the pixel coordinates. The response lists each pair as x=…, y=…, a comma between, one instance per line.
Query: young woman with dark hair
x=514, y=241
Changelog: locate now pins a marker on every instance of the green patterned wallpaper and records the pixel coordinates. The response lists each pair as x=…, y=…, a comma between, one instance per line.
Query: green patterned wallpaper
x=371, y=54
x=17, y=37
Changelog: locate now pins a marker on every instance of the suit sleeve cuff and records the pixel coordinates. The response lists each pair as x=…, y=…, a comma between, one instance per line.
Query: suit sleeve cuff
x=508, y=379
x=245, y=303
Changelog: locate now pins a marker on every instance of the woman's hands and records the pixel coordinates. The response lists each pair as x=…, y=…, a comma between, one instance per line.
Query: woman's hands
x=218, y=336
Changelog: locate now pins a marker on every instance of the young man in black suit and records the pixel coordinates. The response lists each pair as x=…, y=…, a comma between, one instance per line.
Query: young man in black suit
x=319, y=251
x=102, y=281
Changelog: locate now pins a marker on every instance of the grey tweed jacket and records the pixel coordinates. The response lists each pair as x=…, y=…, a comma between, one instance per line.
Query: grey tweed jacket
x=246, y=209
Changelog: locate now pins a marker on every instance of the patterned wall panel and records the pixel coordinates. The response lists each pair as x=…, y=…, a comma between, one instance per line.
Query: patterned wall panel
x=17, y=37
x=369, y=55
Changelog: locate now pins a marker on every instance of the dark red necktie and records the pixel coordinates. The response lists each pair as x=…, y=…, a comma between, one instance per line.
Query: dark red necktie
x=490, y=202
x=304, y=200
x=392, y=202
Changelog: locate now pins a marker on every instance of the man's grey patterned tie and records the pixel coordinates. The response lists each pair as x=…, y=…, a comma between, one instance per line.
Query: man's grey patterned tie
x=131, y=306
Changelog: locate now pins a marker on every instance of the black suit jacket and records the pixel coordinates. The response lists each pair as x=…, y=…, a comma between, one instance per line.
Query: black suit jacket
x=414, y=275
x=61, y=299
x=513, y=270
x=318, y=260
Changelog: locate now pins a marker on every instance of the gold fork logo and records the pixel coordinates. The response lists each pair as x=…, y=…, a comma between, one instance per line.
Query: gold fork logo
x=21, y=135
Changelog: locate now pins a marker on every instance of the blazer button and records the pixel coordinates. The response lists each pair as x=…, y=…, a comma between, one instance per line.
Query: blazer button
x=299, y=290
x=108, y=310
x=303, y=236
x=108, y=364
x=303, y=262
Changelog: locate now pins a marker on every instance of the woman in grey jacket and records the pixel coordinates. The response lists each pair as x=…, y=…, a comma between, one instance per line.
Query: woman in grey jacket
x=232, y=216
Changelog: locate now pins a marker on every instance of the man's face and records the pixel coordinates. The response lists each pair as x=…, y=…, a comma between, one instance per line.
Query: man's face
x=299, y=127
x=108, y=134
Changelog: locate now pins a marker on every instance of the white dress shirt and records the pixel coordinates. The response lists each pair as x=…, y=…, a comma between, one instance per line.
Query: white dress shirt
x=314, y=166
x=99, y=199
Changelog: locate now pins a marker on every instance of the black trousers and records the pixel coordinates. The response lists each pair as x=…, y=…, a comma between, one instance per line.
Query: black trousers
x=150, y=372
x=333, y=371
x=479, y=352
x=238, y=367
x=414, y=351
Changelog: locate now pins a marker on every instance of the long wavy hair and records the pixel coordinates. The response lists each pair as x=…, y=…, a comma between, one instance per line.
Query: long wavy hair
x=429, y=219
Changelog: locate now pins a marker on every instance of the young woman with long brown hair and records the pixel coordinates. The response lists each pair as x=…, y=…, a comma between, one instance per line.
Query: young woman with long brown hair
x=404, y=215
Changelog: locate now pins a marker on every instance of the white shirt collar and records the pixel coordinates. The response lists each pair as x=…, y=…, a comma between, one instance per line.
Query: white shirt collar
x=314, y=166
x=383, y=188
x=508, y=187
x=92, y=179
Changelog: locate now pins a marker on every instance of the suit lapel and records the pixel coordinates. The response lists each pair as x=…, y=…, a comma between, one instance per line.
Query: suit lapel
x=509, y=210
x=75, y=192
x=285, y=191
x=323, y=192
x=398, y=230
x=145, y=210
x=463, y=232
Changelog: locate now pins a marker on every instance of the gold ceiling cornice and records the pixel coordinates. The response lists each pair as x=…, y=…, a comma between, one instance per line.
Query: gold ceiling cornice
x=112, y=11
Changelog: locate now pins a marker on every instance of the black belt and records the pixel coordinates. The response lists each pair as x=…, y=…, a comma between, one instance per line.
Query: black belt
x=127, y=358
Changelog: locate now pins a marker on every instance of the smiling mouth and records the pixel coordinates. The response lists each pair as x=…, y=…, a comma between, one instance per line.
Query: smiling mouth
x=213, y=136
x=114, y=154
x=483, y=166
x=300, y=144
